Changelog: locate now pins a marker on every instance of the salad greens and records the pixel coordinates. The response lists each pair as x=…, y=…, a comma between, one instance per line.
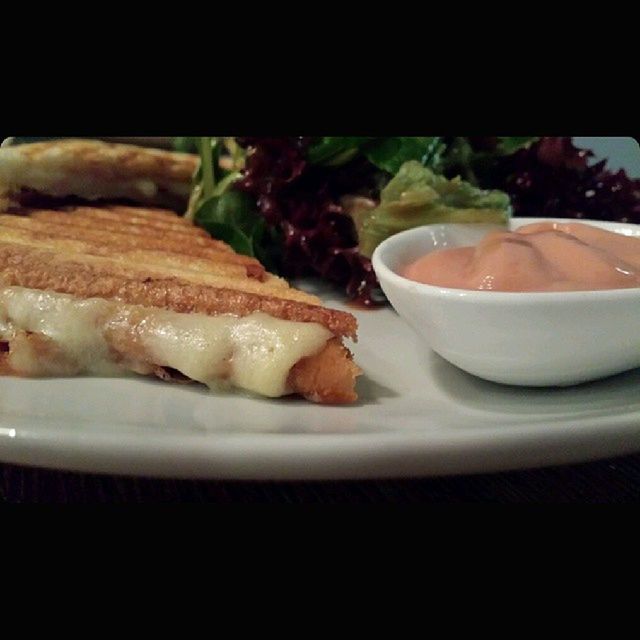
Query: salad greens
x=228, y=214
x=417, y=196
x=390, y=154
x=321, y=205
x=186, y=144
x=283, y=200
x=387, y=154
x=335, y=150
x=472, y=161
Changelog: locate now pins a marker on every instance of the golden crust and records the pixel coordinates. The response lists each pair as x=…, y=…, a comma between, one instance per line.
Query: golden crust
x=122, y=239
x=77, y=217
x=138, y=264
x=69, y=263
x=129, y=216
x=137, y=258
x=149, y=213
x=111, y=252
x=42, y=269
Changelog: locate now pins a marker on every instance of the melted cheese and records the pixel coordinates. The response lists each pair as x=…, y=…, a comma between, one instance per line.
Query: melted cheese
x=104, y=337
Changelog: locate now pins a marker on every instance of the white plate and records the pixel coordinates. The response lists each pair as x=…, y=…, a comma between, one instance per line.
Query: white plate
x=418, y=415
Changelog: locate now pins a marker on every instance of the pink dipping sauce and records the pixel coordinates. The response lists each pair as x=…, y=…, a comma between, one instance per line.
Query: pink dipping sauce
x=545, y=256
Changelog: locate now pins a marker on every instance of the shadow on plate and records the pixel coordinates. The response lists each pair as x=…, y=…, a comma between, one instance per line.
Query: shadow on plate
x=614, y=395
x=371, y=392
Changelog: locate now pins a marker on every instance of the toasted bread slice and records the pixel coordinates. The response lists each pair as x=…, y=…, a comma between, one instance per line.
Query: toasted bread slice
x=160, y=310
x=92, y=170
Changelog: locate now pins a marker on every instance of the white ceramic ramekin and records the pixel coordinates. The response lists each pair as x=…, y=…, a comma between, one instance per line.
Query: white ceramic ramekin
x=536, y=339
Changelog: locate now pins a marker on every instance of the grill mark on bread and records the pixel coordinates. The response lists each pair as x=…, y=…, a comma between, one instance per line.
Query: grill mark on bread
x=147, y=212
x=42, y=269
x=138, y=257
x=126, y=216
x=194, y=235
x=88, y=266
x=218, y=251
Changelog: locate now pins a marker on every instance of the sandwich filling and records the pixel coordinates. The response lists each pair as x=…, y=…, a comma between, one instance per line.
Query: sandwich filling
x=49, y=333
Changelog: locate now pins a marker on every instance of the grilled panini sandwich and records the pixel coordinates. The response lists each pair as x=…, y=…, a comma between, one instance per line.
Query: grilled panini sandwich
x=76, y=170
x=114, y=288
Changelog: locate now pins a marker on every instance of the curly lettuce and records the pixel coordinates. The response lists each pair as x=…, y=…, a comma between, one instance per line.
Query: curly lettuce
x=417, y=196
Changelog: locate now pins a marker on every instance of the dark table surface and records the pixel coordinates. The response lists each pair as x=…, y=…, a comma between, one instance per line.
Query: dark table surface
x=615, y=480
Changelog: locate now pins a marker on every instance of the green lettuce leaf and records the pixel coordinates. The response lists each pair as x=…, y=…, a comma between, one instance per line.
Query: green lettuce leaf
x=390, y=154
x=231, y=217
x=509, y=145
x=185, y=144
x=462, y=158
x=387, y=153
x=417, y=196
x=335, y=150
